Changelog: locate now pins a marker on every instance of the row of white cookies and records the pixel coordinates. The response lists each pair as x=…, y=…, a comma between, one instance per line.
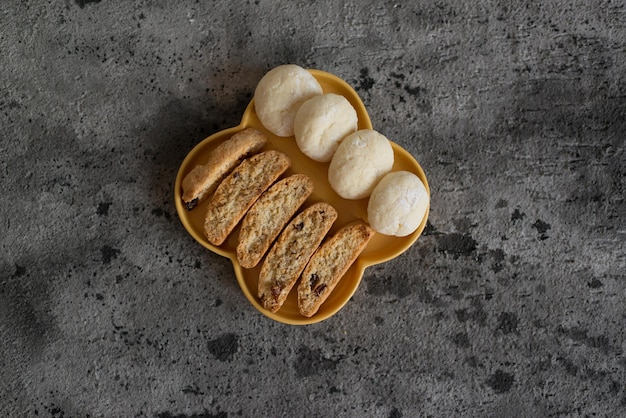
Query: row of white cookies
x=243, y=186
x=289, y=101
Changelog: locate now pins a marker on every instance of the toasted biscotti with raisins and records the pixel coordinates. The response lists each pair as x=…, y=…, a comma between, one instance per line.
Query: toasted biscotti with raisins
x=269, y=215
x=328, y=265
x=238, y=192
x=200, y=182
x=291, y=252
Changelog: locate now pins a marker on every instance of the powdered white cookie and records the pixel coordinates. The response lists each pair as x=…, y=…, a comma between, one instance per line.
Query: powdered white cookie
x=360, y=161
x=280, y=93
x=398, y=204
x=321, y=123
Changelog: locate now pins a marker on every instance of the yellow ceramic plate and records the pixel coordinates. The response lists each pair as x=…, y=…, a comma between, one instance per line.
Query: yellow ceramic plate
x=381, y=248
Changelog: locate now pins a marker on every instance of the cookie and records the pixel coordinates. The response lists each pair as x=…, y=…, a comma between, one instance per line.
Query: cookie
x=398, y=204
x=204, y=178
x=279, y=94
x=268, y=216
x=321, y=123
x=291, y=252
x=328, y=265
x=360, y=161
x=238, y=192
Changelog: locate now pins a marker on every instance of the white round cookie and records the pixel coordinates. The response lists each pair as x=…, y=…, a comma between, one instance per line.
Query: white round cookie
x=398, y=204
x=321, y=123
x=280, y=93
x=361, y=160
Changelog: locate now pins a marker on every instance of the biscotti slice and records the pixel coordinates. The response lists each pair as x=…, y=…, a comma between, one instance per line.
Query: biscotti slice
x=329, y=264
x=204, y=179
x=291, y=251
x=238, y=192
x=269, y=215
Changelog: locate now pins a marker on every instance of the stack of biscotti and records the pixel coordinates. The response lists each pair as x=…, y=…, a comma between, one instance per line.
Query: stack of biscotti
x=243, y=186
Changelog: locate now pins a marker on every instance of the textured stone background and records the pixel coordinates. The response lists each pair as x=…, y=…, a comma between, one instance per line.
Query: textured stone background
x=512, y=303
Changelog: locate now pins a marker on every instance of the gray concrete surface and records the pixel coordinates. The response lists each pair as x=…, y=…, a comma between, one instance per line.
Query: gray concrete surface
x=512, y=303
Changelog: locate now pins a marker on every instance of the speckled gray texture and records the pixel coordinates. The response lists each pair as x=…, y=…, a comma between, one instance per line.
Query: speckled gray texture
x=512, y=303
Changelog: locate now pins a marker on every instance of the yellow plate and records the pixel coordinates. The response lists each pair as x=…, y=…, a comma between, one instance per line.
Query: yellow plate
x=381, y=248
